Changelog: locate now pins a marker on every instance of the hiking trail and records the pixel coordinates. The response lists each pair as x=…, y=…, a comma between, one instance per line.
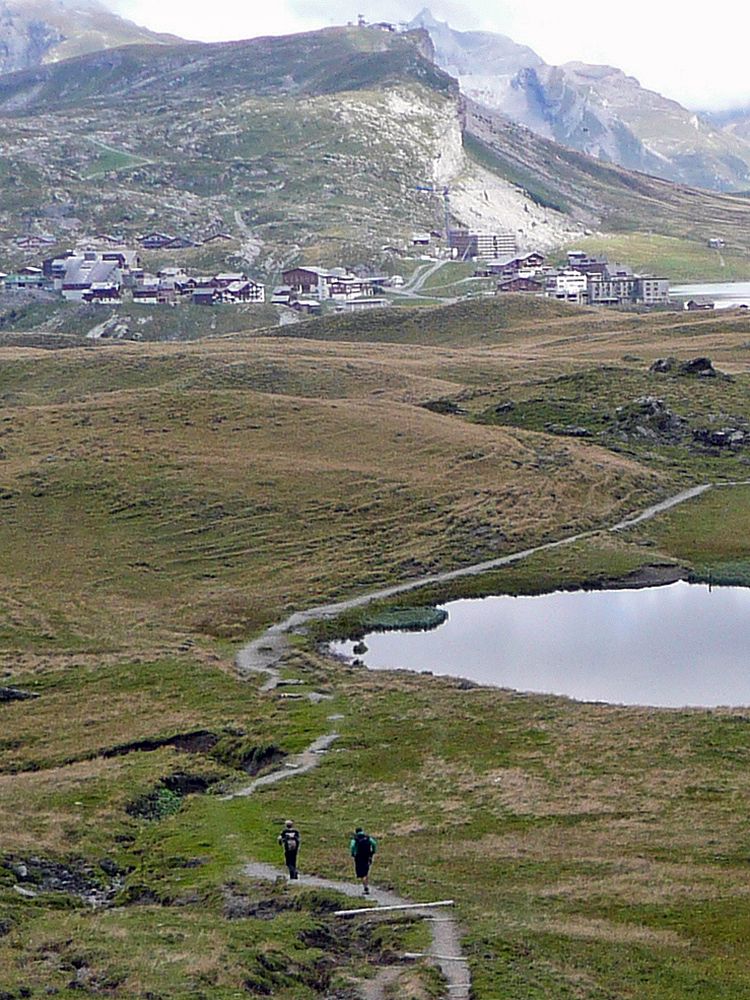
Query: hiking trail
x=262, y=655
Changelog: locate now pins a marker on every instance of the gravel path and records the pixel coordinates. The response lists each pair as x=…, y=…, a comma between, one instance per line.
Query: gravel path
x=446, y=940
x=298, y=764
x=263, y=654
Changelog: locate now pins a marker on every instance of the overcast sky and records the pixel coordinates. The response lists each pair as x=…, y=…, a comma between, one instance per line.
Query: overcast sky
x=698, y=59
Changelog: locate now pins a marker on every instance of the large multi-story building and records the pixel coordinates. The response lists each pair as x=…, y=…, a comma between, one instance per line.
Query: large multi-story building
x=652, y=291
x=483, y=245
x=615, y=284
x=568, y=286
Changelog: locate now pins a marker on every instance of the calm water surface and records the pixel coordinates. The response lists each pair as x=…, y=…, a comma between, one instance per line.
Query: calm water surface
x=725, y=294
x=669, y=646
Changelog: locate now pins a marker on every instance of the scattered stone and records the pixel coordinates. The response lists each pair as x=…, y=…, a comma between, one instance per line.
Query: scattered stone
x=505, y=407
x=359, y=648
x=702, y=367
x=698, y=366
x=663, y=365
x=23, y=891
x=14, y=694
x=725, y=437
x=569, y=430
x=41, y=875
x=650, y=418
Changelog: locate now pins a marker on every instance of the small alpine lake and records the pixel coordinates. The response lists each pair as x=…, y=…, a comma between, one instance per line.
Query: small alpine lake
x=670, y=646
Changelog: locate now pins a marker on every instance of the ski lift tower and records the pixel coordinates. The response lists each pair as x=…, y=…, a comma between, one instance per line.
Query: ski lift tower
x=445, y=192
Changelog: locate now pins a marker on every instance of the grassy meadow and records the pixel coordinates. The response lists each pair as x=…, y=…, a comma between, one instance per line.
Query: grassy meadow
x=162, y=503
x=679, y=259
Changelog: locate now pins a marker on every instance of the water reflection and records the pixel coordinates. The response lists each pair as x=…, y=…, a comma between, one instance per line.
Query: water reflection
x=668, y=646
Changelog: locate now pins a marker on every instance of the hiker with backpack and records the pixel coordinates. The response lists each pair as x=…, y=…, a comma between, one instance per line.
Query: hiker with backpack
x=362, y=847
x=289, y=839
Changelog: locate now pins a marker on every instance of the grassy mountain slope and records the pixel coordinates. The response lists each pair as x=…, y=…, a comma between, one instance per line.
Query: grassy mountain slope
x=307, y=147
x=319, y=62
x=610, y=197
x=248, y=131
x=161, y=503
x=311, y=145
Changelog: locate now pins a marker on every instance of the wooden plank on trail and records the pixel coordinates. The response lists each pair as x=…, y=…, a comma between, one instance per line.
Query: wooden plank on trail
x=440, y=958
x=386, y=909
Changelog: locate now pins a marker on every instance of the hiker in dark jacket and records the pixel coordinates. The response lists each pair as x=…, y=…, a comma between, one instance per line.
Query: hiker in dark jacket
x=289, y=839
x=362, y=847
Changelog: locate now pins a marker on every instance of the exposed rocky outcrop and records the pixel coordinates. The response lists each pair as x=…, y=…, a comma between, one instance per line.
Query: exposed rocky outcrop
x=8, y=694
x=598, y=110
x=24, y=41
x=723, y=437
x=695, y=366
x=648, y=418
x=35, y=875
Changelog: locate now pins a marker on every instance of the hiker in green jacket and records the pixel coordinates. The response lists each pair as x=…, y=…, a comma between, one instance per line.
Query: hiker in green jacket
x=362, y=847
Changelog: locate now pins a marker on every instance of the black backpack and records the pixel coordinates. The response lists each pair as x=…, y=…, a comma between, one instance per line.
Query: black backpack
x=362, y=845
x=290, y=839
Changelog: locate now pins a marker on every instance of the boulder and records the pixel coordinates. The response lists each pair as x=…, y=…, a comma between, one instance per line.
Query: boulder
x=663, y=365
x=724, y=437
x=14, y=694
x=698, y=366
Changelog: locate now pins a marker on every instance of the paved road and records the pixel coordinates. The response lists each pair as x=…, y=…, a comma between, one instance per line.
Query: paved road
x=413, y=288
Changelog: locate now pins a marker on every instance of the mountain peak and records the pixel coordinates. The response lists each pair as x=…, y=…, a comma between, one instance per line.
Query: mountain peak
x=34, y=32
x=426, y=19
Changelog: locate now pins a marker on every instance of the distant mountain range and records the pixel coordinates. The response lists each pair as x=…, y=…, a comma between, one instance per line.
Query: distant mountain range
x=33, y=32
x=595, y=109
x=326, y=147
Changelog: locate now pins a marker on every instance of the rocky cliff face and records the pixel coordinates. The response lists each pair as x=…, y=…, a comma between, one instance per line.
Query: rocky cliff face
x=597, y=110
x=24, y=41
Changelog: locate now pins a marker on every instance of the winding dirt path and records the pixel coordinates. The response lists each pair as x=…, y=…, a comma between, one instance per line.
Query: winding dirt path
x=263, y=654
x=300, y=763
x=446, y=939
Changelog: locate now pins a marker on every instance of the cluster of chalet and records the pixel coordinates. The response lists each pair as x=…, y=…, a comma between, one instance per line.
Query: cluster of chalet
x=149, y=241
x=167, y=241
x=585, y=280
x=306, y=288
x=103, y=276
